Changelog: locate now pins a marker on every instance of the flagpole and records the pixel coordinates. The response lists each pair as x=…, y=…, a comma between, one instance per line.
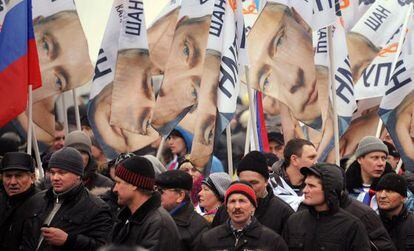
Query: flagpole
x=399, y=165
x=37, y=156
x=30, y=121
x=394, y=63
x=65, y=114
x=333, y=91
x=229, y=150
x=252, y=111
x=160, y=147
x=247, y=141
x=77, y=115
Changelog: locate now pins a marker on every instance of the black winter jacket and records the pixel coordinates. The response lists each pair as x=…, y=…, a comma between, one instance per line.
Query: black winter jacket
x=92, y=179
x=84, y=217
x=272, y=212
x=150, y=227
x=254, y=237
x=190, y=226
x=12, y=214
x=401, y=229
x=334, y=229
x=378, y=235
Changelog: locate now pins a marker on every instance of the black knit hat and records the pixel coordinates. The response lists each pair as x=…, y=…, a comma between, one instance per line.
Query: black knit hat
x=137, y=171
x=175, y=179
x=393, y=182
x=17, y=161
x=254, y=161
x=68, y=159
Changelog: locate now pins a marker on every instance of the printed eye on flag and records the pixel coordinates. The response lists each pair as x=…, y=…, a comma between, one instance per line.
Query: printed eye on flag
x=19, y=66
x=397, y=105
x=122, y=95
x=220, y=81
x=180, y=89
x=282, y=63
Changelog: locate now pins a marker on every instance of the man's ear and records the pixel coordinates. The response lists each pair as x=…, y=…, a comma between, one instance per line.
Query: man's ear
x=296, y=16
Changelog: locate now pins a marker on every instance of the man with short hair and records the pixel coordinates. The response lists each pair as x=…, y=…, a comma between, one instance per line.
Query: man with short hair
x=242, y=231
x=17, y=170
x=276, y=143
x=271, y=211
x=391, y=195
x=142, y=221
x=369, y=166
x=66, y=216
x=175, y=187
x=324, y=225
x=287, y=181
x=91, y=178
x=393, y=156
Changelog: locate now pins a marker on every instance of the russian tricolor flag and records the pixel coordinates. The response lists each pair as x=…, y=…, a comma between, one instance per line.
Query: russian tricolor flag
x=19, y=63
x=261, y=124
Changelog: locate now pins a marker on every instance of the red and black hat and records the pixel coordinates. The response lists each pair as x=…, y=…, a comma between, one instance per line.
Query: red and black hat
x=137, y=171
x=244, y=188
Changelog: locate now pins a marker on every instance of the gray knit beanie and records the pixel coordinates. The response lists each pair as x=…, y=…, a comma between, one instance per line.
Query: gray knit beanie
x=68, y=159
x=218, y=183
x=370, y=144
x=79, y=140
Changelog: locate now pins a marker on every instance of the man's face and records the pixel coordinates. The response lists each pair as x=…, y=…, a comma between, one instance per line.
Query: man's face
x=63, y=180
x=63, y=53
x=184, y=68
x=389, y=200
x=208, y=199
x=239, y=208
x=177, y=145
x=16, y=182
x=117, y=138
x=276, y=149
x=170, y=198
x=255, y=179
x=281, y=54
x=307, y=159
x=373, y=164
x=124, y=191
x=59, y=140
x=133, y=83
x=360, y=54
x=313, y=191
x=393, y=161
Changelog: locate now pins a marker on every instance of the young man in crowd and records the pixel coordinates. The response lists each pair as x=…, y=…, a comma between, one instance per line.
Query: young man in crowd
x=67, y=216
x=175, y=187
x=271, y=211
x=17, y=170
x=324, y=225
x=243, y=231
x=287, y=181
x=142, y=222
x=391, y=195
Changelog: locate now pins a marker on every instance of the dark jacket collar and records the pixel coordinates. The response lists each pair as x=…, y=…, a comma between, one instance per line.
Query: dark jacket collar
x=138, y=216
x=19, y=198
x=68, y=195
x=182, y=216
x=263, y=203
x=248, y=231
x=395, y=220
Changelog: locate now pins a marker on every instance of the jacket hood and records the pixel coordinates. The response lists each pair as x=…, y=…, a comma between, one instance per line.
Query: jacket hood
x=187, y=136
x=332, y=182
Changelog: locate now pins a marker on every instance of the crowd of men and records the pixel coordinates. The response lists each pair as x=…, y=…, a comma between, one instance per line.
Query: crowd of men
x=285, y=201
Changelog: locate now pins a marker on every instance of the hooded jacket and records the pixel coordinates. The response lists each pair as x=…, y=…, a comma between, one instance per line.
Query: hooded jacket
x=334, y=229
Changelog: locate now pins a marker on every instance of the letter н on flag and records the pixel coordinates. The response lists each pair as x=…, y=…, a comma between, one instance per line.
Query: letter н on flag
x=19, y=64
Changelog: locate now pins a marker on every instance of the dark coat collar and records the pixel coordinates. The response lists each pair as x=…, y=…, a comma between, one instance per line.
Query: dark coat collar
x=183, y=215
x=138, y=216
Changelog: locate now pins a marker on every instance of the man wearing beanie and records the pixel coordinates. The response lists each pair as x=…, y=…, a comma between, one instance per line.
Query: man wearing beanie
x=242, y=231
x=66, y=216
x=91, y=178
x=174, y=187
x=271, y=211
x=17, y=170
x=324, y=225
x=142, y=222
x=369, y=165
x=391, y=195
